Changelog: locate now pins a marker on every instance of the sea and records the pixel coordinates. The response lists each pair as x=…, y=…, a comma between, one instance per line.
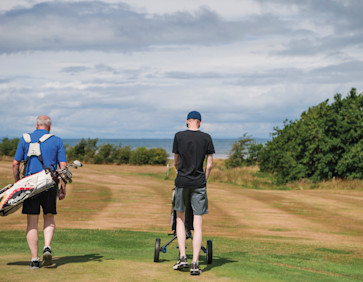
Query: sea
x=221, y=146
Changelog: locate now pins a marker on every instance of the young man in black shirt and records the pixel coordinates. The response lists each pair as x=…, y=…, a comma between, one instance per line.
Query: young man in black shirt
x=190, y=149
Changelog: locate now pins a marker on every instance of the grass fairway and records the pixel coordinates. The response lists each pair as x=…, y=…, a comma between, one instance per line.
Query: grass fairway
x=107, y=226
x=83, y=254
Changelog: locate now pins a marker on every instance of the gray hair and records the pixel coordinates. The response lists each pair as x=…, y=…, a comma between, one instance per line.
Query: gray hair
x=44, y=121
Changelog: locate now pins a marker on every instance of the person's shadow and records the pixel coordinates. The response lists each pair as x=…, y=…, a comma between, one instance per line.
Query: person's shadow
x=59, y=261
x=216, y=262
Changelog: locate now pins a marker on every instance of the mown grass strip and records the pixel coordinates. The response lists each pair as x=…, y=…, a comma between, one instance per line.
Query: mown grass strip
x=91, y=251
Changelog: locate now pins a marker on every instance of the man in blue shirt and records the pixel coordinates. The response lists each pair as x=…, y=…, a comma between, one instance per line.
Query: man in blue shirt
x=52, y=153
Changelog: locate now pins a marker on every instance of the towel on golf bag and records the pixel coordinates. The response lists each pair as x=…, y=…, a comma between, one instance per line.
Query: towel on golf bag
x=13, y=195
x=189, y=217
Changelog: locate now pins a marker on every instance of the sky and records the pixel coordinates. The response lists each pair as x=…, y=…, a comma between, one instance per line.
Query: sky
x=135, y=68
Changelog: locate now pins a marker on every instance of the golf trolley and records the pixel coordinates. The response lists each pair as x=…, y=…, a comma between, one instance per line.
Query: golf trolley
x=188, y=228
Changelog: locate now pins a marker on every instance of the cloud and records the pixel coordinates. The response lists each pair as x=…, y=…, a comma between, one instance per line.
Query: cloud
x=116, y=70
x=101, y=26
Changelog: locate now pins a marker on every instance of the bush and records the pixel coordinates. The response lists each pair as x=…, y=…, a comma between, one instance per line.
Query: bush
x=244, y=152
x=158, y=156
x=121, y=155
x=83, y=151
x=89, y=152
x=8, y=146
x=139, y=156
x=325, y=143
x=105, y=154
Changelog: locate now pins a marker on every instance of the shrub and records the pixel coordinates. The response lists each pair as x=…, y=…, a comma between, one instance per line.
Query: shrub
x=8, y=146
x=325, y=143
x=157, y=156
x=244, y=152
x=121, y=155
x=139, y=156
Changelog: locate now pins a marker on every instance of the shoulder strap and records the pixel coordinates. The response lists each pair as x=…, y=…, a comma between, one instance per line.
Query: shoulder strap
x=45, y=137
x=27, y=138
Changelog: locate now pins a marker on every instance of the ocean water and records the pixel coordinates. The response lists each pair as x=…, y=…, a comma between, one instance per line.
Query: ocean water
x=221, y=146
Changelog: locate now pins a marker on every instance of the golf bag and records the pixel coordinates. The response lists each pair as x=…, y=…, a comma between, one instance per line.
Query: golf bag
x=13, y=195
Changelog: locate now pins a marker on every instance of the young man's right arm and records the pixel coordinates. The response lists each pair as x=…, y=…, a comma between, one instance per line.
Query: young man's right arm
x=176, y=161
x=209, y=165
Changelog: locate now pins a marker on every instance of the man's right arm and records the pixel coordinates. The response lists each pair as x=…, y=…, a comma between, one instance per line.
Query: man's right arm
x=62, y=189
x=176, y=161
x=209, y=166
x=16, y=165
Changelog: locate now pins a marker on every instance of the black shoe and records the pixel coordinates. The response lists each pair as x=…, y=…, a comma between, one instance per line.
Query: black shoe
x=47, y=256
x=34, y=264
x=195, y=270
x=181, y=264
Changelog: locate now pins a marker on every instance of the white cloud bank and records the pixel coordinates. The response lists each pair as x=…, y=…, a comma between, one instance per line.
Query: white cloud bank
x=134, y=69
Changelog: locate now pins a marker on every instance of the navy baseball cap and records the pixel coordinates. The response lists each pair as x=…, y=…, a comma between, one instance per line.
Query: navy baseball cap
x=194, y=115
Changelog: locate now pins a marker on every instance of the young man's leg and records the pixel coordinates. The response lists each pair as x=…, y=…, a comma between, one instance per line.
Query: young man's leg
x=180, y=232
x=32, y=234
x=200, y=206
x=197, y=237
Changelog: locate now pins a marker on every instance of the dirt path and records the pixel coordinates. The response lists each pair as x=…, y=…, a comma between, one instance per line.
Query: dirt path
x=128, y=197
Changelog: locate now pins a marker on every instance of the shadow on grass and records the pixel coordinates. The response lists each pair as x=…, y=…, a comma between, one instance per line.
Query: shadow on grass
x=59, y=261
x=218, y=261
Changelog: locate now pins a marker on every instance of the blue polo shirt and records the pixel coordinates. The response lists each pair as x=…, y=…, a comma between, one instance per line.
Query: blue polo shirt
x=52, y=151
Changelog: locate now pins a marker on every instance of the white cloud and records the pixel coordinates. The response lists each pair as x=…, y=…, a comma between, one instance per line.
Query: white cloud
x=135, y=68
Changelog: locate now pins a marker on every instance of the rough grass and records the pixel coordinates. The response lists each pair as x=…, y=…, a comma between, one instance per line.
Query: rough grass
x=251, y=177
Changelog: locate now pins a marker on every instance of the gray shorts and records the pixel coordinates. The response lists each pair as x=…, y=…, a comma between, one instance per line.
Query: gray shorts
x=197, y=197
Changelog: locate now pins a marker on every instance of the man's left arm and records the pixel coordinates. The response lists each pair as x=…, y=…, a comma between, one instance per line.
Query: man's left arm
x=209, y=165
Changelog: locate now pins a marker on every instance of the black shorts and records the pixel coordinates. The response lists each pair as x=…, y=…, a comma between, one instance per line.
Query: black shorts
x=48, y=201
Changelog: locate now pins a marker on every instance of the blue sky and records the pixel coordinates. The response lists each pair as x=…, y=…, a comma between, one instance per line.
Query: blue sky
x=135, y=68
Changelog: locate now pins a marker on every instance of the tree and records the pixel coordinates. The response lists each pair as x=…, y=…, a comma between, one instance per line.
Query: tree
x=325, y=142
x=8, y=146
x=244, y=152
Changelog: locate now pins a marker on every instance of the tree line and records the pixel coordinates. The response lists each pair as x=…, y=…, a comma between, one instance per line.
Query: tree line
x=89, y=152
x=326, y=142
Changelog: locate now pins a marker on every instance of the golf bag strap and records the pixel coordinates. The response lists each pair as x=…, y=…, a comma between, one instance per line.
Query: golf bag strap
x=34, y=148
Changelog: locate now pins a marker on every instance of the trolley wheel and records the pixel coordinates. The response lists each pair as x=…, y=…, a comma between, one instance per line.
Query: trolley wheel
x=157, y=250
x=209, y=251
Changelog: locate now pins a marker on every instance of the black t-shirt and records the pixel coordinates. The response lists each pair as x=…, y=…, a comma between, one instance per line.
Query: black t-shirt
x=192, y=147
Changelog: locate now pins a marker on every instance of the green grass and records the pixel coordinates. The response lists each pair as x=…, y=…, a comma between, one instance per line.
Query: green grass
x=86, y=254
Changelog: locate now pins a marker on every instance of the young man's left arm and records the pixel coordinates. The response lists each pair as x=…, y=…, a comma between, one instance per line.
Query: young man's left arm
x=209, y=165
